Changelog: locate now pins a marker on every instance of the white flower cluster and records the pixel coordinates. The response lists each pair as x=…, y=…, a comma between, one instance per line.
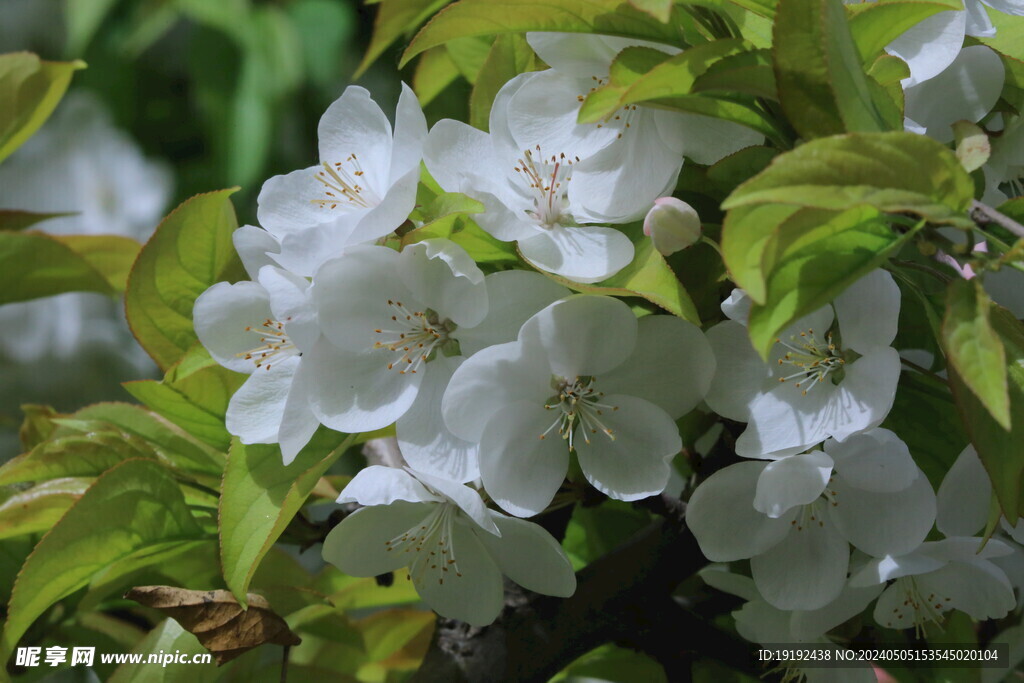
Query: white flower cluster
x=501, y=385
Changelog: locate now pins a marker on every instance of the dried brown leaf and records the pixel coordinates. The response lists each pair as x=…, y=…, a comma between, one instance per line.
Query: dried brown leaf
x=222, y=625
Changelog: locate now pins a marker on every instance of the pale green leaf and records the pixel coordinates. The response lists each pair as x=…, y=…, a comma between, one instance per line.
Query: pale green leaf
x=37, y=509
x=29, y=91
x=135, y=506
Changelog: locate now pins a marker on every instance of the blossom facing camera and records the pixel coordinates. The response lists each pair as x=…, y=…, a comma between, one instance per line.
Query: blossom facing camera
x=456, y=549
x=672, y=225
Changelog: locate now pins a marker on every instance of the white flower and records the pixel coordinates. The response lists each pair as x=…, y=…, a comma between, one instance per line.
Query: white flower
x=965, y=90
x=528, y=195
x=759, y=622
x=672, y=225
x=584, y=375
x=641, y=148
x=820, y=382
x=363, y=188
x=937, y=576
x=795, y=516
x=456, y=549
x=263, y=329
x=391, y=323
x=932, y=45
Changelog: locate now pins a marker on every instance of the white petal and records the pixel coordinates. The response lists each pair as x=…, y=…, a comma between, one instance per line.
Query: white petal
x=449, y=153
x=543, y=111
x=737, y=306
x=783, y=419
x=520, y=468
x=740, y=374
x=707, y=140
x=352, y=295
x=298, y=424
x=253, y=244
x=578, y=54
x=619, y=183
x=978, y=23
x=476, y=596
x=466, y=498
x=967, y=89
x=223, y=315
x=446, y=279
x=393, y=210
x=671, y=365
x=583, y=335
x=581, y=254
x=722, y=517
x=964, y=496
x=410, y=134
x=426, y=442
x=788, y=482
x=720, y=578
x=378, y=485
x=286, y=203
x=304, y=251
x=868, y=311
x=528, y=555
x=878, y=571
x=356, y=546
x=976, y=587
x=513, y=296
x=354, y=125
x=255, y=411
x=759, y=622
x=966, y=548
x=491, y=380
x=813, y=624
x=884, y=523
x=356, y=392
x=635, y=464
x=1014, y=7
x=875, y=460
x=930, y=46
x=807, y=569
x=866, y=394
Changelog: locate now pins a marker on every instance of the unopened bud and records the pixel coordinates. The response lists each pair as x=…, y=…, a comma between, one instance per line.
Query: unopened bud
x=672, y=225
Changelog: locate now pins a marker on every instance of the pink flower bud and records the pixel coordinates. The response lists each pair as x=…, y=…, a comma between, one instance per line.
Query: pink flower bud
x=672, y=225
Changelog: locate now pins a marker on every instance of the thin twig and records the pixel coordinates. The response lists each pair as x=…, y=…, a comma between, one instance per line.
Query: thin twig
x=982, y=214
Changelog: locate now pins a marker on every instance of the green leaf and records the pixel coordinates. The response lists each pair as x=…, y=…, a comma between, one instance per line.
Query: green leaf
x=34, y=264
x=998, y=448
x=351, y=593
x=484, y=17
x=616, y=665
x=874, y=25
x=647, y=276
x=822, y=86
x=435, y=71
x=659, y=9
x=811, y=259
x=260, y=496
x=894, y=172
x=83, y=18
x=384, y=633
x=509, y=56
x=190, y=251
x=168, y=636
x=469, y=55
x=172, y=404
x=748, y=73
x=37, y=509
x=395, y=18
x=76, y=455
x=134, y=507
x=641, y=74
x=29, y=91
x=326, y=28
x=14, y=220
x=974, y=349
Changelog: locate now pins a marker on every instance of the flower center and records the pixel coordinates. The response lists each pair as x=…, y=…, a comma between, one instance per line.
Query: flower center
x=413, y=336
x=341, y=185
x=812, y=359
x=925, y=608
x=431, y=540
x=548, y=180
x=578, y=404
x=809, y=515
x=274, y=344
